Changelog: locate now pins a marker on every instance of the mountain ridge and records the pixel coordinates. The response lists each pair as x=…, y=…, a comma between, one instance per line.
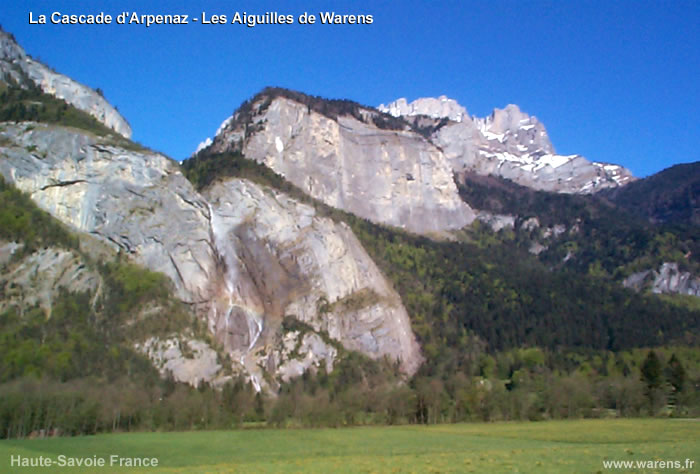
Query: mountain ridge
x=17, y=67
x=508, y=143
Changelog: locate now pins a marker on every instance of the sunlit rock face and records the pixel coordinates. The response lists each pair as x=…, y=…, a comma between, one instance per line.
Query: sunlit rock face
x=282, y=260
x=667, y=279
x=135, y=201
x=509, y=143
x=387, y=175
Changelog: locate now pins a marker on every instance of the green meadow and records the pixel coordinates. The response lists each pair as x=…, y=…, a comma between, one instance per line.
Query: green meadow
x=551, y=446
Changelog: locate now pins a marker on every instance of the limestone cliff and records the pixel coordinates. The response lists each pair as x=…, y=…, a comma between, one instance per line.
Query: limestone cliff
x=352, y=158
x=509, y=143
x=137, y=202
x=37, y=278
x=282, y=260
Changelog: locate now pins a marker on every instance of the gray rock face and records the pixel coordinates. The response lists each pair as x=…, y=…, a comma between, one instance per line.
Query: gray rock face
x=17, y=66
x=188, y=360
x=245, y=258
x=311, y=350
x=394, y=177
x=37, y=278
x=514, y=145
x=667, y=279
x=442, y=107
x=496, y=221
x=137, y=202
x=283, y=260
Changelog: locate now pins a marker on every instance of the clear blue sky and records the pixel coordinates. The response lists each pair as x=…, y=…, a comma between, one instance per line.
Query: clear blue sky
x=614, y=81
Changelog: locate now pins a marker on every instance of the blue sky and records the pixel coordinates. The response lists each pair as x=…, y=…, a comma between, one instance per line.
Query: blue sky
x=614, y=81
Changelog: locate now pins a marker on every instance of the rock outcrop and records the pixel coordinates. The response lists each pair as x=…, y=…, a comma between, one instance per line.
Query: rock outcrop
x=510, y=144
x=667, y=279
x=350, y=160
x=37, y=278
x=19, y=68
x=187, y=360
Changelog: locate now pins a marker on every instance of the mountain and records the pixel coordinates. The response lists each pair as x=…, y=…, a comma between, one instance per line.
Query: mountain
x=241, y=260
x=670, y=196
x=350, y=157
x=509, y=143
x=402, y=164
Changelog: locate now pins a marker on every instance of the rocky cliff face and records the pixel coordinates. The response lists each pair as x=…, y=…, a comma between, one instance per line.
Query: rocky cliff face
x=243, y=256
x=137, y=202
x=510, y=144
x=282, y=260
x=401, y=172
x=390, y=175
x=17, y=67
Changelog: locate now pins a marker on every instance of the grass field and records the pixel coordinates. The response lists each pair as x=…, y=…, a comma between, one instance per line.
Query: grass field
x=554, y=446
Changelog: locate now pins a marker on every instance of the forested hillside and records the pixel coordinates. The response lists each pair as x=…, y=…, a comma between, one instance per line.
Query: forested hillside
x=596, y=237
x=671, y=196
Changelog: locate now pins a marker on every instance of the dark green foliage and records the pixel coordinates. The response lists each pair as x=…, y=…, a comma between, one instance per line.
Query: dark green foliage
x=427, y=126
x=676, y=374
x=502, y=196
x=21, y=221
x=652, y=376
x=670, y=196
x=651, y=371
x=607, y=241
x=31, y=104
x=204, y=169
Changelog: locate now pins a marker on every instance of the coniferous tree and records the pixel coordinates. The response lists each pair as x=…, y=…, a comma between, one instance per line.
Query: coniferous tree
x=676, y=374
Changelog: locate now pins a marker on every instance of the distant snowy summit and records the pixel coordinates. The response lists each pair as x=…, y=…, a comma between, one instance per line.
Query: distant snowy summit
x=508, y=143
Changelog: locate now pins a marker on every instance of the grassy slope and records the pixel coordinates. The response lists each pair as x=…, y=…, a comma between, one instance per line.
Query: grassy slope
x=558, y=446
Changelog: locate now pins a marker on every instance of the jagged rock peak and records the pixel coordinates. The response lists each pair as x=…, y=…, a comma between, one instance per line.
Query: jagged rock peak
x=18, y=68
x=510, y=118
x=512, y=124
x=441, y=107
x=508, y=143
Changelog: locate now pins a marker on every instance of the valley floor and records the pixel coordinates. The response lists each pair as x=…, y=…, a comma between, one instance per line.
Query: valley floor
x=552, y=446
